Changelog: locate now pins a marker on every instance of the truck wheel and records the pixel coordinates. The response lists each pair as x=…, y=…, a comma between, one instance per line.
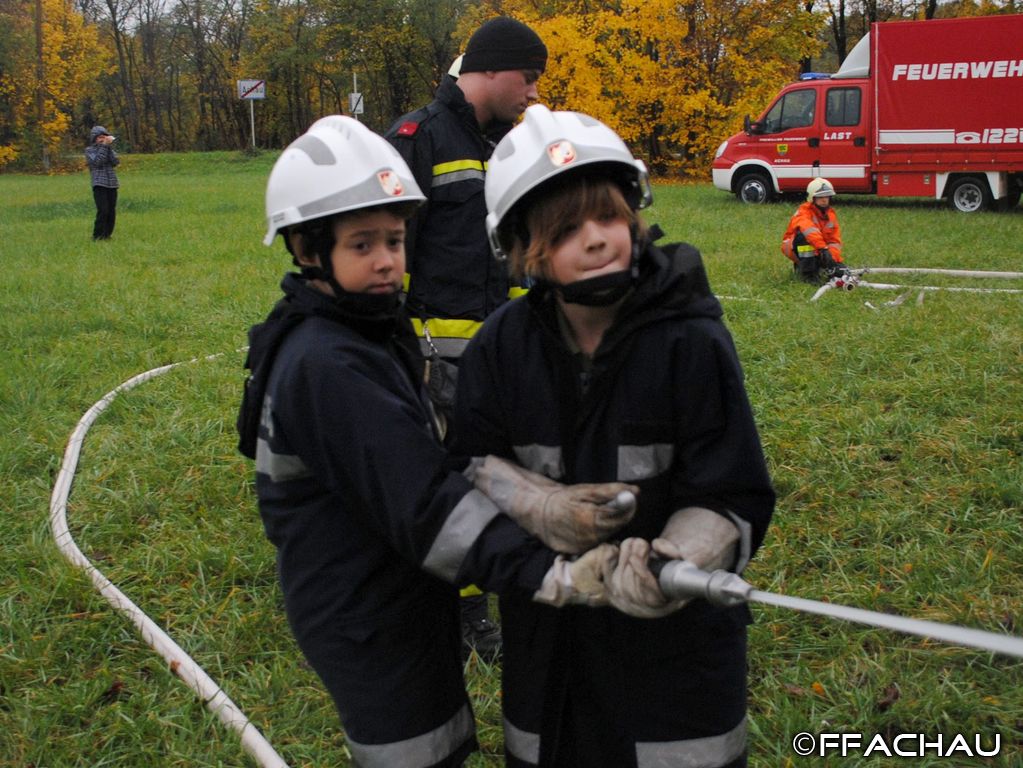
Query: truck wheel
x=969, y=194
x=754, y=188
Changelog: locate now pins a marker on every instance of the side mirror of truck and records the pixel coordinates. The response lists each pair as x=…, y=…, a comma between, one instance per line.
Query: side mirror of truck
x=752, y=127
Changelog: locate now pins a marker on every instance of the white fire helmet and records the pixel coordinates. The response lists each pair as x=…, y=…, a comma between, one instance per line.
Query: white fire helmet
x=337, y=165
x=456, y=67
x=544, y=145
x=819, y=188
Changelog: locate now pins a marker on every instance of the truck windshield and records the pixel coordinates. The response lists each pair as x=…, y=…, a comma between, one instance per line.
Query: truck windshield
x=793, y=110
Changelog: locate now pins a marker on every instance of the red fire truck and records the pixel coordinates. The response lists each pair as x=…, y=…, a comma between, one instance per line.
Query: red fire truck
x=918, y=108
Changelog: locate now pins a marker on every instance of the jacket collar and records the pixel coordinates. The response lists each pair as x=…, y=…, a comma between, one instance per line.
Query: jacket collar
x=451, y=96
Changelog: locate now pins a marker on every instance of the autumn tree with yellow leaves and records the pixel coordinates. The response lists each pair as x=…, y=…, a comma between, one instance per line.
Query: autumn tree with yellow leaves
x=71, y=60
x=671, y=77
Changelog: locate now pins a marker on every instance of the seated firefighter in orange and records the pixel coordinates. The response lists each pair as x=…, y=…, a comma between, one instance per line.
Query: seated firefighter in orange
x=813, y=240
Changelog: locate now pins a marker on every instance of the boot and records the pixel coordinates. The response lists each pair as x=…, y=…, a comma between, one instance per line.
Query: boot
x=808, y=269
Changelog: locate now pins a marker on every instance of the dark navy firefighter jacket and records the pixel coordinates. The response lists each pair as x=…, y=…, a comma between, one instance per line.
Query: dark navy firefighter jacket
x=664, y=406
x=373, y=528
x=453, y=272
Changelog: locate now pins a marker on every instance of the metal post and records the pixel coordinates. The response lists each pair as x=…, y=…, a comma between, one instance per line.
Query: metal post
x=40, y=85
x=252, y=120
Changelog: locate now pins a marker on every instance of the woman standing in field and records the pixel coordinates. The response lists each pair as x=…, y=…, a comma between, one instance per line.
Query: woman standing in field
x=615, y=367
x=101, y=159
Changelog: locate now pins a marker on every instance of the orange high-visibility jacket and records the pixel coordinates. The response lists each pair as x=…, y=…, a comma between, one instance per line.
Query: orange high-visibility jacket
x=819, y=228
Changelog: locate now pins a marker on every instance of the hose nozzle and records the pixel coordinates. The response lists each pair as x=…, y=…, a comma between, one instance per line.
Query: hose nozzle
x=680, y=579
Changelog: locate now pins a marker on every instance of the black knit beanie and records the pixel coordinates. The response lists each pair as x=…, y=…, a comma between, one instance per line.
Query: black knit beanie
x=501, y=44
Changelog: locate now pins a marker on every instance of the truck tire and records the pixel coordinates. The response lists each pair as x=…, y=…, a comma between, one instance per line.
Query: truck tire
x=969, y=194
x=754, y=187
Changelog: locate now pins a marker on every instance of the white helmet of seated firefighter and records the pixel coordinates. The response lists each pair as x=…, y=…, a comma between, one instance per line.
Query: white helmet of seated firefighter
x=337, y=165
x=544, y=145
x=819, y=188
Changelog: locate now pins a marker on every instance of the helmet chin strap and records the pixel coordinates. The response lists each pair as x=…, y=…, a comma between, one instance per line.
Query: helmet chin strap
x=604, y=290
x=326, y=275
x=370, y=306
x=599, y=291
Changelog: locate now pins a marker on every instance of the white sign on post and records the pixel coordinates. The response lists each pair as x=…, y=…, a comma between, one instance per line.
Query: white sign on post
x=355, y=104
x=252, y=89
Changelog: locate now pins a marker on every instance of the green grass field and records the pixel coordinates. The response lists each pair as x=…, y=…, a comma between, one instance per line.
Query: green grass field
x=894, y=436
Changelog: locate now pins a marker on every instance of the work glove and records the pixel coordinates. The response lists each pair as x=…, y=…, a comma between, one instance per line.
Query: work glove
x=826, y=258
x=632, y=588
x=567, y=518
x=577, y=581
x=696, y=535
x=700, y=536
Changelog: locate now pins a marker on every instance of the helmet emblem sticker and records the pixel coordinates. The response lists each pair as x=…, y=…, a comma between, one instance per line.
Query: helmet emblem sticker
x=390, y=183
x=561, y=153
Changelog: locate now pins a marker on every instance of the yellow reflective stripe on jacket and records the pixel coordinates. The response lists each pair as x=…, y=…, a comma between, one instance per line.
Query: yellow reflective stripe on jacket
x=458, y=165
x=441, y=328
x=457, y=170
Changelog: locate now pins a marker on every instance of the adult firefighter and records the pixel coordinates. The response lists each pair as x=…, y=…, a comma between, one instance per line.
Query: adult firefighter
x=372, y=527
x=453, y=282
x=616, y=366
x=813, y=240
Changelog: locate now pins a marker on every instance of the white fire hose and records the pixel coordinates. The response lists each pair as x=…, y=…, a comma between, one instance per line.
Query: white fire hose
x=853, y=279
x=679, y=579
x=935, y=271
x=181, y=664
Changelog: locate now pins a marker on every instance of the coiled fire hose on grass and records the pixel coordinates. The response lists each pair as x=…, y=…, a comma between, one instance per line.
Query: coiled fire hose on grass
x=677, y=579
x=181, y=664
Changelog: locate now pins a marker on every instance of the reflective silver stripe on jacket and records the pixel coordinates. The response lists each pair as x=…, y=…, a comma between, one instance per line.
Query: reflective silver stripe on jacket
x=464, y=525
x=635, y=462
x=281, y=467
x=522, y=744
x=640, y=462
x=544, y=459
x=443, y=346
x=419, y=751
x=708, y=752
x=452, y=177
